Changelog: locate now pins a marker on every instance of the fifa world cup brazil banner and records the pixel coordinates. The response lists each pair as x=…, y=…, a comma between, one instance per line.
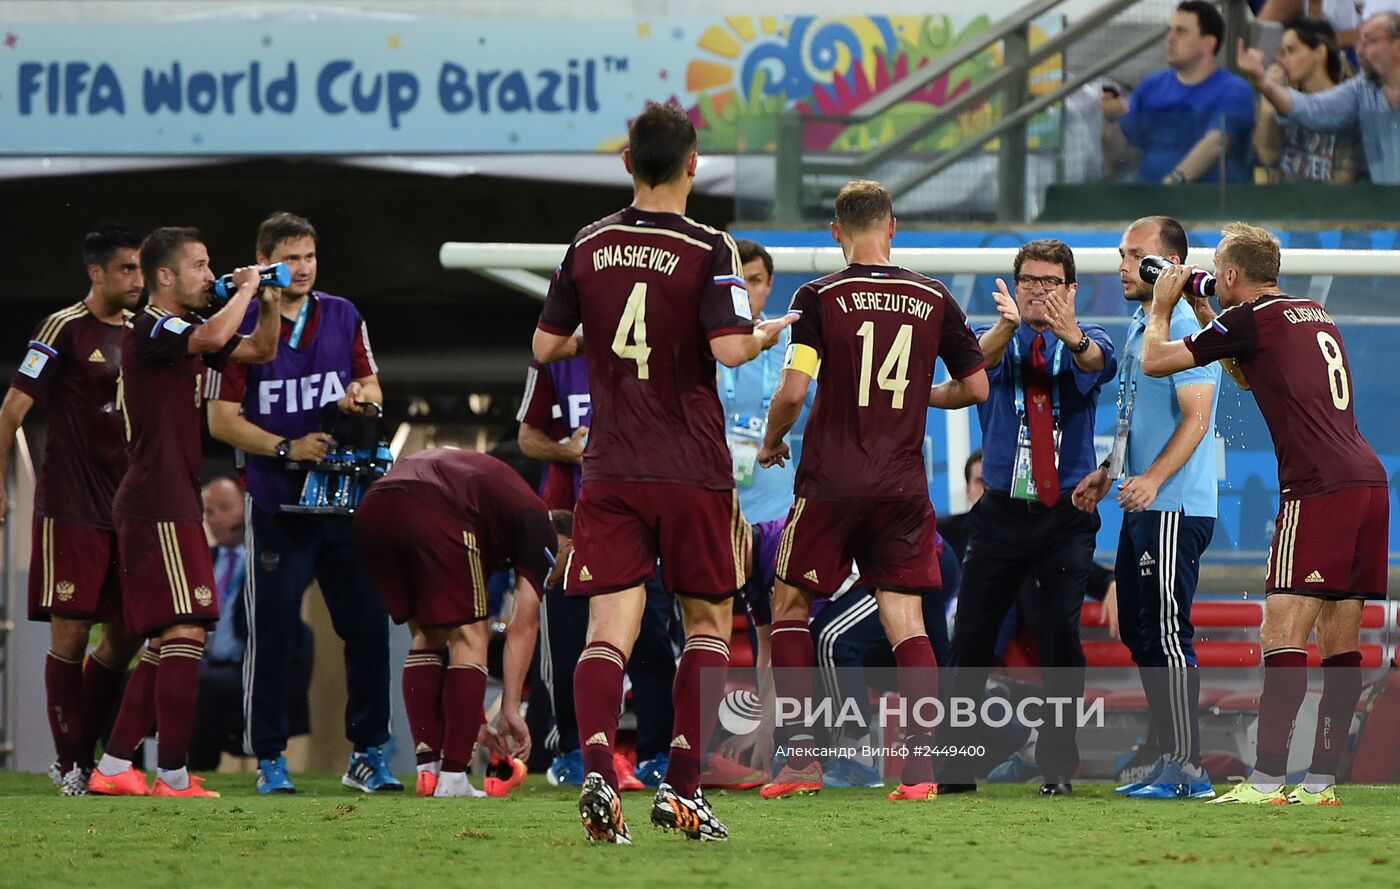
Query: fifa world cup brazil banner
x=462, y=85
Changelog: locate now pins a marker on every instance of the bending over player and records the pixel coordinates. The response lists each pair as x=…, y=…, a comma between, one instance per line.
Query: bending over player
x=1330, y=539
x=660, y=298
x=430, y=532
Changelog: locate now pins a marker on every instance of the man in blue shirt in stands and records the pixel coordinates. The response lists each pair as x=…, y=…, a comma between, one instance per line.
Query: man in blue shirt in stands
x=1185, y=118
x=1164, y=449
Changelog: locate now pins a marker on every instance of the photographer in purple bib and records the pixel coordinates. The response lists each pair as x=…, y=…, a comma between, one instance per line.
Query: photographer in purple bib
x=273, y=415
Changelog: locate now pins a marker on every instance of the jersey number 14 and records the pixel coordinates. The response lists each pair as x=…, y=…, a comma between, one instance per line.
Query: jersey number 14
x=893, y=375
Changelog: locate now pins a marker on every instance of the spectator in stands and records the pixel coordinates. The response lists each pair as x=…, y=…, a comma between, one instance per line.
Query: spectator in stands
x=1345, y=16
x=1310, y=60
x=1046, y=371
x=1186, y=119
x=1371, y=102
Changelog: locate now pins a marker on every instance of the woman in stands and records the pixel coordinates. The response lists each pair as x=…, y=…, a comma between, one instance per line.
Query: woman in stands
x=1309, y=61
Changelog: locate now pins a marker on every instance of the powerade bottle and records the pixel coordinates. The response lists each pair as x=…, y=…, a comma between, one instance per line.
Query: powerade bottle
x=364, y=467
x=383, y=459
x=312, y=489
x=343, y=459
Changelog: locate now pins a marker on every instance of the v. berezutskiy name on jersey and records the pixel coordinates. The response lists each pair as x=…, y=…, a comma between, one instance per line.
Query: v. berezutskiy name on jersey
x=886, y=302
x=310, y=392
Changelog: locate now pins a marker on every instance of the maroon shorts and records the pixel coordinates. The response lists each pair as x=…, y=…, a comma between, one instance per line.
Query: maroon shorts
x=892, y=542
x=427, y=566
x=1332, y=545
x=621, y=528
x=167, y=575
x=73, y=571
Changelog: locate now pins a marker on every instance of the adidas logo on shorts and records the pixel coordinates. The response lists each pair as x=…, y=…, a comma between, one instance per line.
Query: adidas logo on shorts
x=1146, y=560
x=811, y=576
x=1315, y=577
x=680, y=743
x=585, y=575
x=598, y=738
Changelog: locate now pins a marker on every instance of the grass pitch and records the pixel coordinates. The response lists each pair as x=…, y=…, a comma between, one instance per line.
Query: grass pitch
x=327, y=836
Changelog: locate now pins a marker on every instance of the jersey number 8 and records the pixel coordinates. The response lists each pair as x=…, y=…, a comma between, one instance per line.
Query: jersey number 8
x=1336, y=370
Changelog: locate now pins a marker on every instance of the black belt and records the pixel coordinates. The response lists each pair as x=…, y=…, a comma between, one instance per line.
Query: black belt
x=1031, y=507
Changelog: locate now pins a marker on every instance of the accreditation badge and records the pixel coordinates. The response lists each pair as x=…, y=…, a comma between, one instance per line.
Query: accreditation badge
x=1119, y=455
x=1022, y=482
x=745, y=438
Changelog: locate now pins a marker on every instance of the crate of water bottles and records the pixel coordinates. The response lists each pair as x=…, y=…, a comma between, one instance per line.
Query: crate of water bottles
x=358, y=455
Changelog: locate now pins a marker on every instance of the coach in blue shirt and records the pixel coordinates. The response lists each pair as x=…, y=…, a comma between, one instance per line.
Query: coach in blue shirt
x=1184, y=118
x=746, y=391
x=1046, y=371
x=1164, y=450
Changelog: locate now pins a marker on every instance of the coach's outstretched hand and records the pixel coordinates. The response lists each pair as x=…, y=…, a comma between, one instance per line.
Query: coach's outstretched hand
x=1007, y=308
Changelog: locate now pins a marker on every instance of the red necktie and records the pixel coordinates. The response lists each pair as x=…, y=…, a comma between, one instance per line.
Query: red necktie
x=1042, y=425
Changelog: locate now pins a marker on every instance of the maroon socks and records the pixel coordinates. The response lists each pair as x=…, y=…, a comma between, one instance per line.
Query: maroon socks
x=423, y=702
x=698, y=686
x=463, y=690
x=1285, y=685
x=177, y=692
x=598, y=703
x=794, y=659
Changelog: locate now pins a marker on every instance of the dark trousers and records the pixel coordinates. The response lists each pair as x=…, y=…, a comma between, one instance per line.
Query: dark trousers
x=1159, y=563
x=1011, y=540
x=652, y=666
x=285, y=553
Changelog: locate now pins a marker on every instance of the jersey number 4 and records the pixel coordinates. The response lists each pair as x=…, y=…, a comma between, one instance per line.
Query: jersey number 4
x=633, y=325
x=893, y=375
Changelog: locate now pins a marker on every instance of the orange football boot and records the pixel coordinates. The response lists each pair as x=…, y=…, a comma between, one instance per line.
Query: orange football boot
x=195, y=789
x=915, y=791
x=129, y=783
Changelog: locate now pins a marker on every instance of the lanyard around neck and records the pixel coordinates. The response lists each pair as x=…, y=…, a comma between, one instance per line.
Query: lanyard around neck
x=1054, y=376
x=730, y=375
x=295, y=339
